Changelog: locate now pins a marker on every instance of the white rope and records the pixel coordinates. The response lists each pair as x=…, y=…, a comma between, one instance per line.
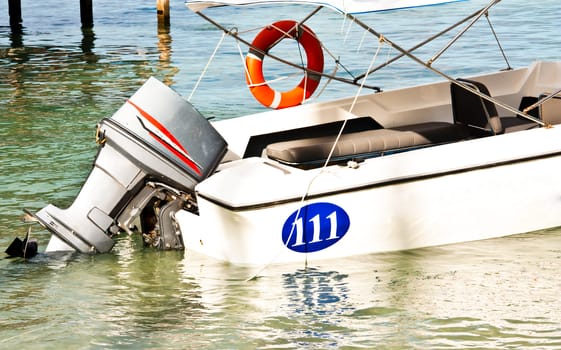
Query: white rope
x=269, y=81
x=361, y=41
x=335, y=69
x=320, y=92
x=27, y=240
x=207, y=65
x=307, y=191
x=242, y=59
x=252, y=84
x=348, y=30
x=284, y=33
x=343, y=24
x=350, y=109
x=274, y=258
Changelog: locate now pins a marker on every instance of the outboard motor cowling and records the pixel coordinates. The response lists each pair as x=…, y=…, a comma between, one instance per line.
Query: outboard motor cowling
x=153, y=151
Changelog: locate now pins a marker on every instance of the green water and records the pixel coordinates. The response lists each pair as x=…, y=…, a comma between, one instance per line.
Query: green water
x=493, y=294
x=56, y=83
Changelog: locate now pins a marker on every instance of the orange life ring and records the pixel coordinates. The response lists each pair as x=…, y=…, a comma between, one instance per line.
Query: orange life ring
x=264, y=41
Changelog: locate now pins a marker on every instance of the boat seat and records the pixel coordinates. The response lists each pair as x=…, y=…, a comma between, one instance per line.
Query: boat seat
x=550, y=110
x=511, y=124
x=481, y=115
x=369, y=143
x=471, y=110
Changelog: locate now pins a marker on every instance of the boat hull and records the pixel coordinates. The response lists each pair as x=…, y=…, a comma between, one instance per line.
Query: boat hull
x=467, y=191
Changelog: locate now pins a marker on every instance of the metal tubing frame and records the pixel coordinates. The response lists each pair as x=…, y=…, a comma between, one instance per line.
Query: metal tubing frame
x=403, y=52
x=309, y=71
x=444, y=75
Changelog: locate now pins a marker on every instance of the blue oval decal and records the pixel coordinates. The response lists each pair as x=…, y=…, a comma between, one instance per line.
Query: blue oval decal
x=315, y=227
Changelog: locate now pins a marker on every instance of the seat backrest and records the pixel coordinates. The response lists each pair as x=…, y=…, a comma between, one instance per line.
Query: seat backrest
x=472, y=110
x=550, y=110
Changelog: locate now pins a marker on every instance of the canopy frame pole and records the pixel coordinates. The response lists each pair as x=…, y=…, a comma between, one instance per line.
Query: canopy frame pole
x=444, y=75
x=508, y=67
x=439, y=34
x=462, y=32
x=309, y=71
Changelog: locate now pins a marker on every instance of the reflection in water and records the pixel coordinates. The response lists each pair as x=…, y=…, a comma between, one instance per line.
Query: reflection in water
x=52, y=94
x=464, y=296
x=63, y=70
x=315, y=292
x=165, y=51
x=314, y=302
x=87, y=45
x=56, y=85
x=148, y=293
x=16, y=39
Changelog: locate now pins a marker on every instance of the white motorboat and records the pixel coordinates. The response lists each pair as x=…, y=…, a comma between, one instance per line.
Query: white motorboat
x=452, y=161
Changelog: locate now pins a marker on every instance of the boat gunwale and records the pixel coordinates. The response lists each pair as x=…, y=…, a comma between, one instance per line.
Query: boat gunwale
x=390, y=182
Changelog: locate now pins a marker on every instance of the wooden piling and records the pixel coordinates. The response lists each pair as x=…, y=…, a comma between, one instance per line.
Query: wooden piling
x=86, y=13
x=14, y=11
x=162, y=7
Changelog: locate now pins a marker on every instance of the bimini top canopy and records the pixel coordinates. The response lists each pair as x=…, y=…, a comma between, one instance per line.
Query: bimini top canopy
x=343, y=6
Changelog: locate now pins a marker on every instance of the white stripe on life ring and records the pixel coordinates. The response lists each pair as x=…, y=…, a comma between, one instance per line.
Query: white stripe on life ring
x=276, y=100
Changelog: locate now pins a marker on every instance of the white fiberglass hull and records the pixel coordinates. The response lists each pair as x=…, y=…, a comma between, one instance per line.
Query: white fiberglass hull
x=256, y=209
x=467, y=191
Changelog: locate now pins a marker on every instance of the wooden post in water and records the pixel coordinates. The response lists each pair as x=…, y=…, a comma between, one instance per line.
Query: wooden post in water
x=86, y=13
x=14, y=11
x=162, y=6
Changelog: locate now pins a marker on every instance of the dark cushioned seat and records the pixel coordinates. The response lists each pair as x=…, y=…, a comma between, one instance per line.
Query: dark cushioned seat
x=366, y=142
x=473, y=117
x=481, y=115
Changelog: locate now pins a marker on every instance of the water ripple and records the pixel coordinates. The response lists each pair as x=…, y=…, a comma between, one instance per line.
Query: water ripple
x=57, y=82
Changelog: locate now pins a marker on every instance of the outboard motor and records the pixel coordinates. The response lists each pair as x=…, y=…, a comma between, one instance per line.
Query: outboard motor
x=153, y=151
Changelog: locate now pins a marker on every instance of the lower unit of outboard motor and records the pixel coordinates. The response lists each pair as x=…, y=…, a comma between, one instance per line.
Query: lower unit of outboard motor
x=153, y=151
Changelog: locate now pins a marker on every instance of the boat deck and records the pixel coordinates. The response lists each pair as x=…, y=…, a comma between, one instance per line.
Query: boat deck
x=473, y=117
